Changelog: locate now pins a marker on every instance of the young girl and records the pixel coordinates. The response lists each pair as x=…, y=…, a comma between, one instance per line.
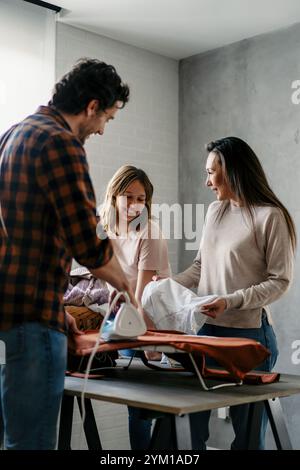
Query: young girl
x=140, y=249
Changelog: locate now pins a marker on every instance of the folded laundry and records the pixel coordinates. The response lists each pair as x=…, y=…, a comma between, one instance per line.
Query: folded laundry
x=85, y=290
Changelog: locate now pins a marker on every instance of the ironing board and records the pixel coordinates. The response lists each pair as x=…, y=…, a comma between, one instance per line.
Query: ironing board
x=238, y=356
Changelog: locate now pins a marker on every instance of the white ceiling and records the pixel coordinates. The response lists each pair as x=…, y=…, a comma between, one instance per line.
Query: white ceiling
x=179, y=28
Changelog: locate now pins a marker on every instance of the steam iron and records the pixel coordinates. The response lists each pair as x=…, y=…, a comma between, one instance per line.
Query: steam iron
x=127, y=323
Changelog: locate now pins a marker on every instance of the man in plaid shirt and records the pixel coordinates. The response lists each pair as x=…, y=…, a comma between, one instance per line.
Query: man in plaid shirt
x=48, y=217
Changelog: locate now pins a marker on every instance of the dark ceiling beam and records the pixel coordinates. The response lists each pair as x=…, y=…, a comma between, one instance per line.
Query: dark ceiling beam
x=50, y=6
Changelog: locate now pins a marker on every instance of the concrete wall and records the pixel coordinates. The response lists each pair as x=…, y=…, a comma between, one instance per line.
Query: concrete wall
x=245, y=90
x=144, y=134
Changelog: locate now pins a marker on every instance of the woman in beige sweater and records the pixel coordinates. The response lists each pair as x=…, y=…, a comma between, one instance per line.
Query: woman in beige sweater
x=245, y=257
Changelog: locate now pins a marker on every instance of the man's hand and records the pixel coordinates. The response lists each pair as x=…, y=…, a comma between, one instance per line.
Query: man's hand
x=122, y=299
x=72, y=327
x=215, y=308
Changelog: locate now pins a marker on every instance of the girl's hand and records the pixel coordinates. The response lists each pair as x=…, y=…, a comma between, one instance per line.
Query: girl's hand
x=215, y=308
x=157, y=277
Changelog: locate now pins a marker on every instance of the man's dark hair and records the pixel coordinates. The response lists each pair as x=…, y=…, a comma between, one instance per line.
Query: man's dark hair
x=90, y=79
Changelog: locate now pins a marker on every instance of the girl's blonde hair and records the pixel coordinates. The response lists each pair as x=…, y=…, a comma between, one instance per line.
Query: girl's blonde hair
x=117, y=186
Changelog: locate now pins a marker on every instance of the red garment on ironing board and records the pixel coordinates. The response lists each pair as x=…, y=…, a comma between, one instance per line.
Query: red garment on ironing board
x=238, y=356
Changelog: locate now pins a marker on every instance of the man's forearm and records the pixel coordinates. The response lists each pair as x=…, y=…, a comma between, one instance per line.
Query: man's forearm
x=112, y=273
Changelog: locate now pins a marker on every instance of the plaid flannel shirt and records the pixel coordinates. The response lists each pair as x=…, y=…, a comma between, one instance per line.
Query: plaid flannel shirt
x=47, y=217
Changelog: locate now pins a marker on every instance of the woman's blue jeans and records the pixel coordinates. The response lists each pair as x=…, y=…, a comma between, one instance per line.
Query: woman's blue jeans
x=31, y=386
x=239, y=414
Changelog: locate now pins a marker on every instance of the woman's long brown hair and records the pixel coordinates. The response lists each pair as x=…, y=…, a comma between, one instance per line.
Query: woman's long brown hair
x=246, y=178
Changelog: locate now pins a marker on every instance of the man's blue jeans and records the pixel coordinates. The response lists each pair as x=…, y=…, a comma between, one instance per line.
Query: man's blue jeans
x=199, y=421
x=31, y=386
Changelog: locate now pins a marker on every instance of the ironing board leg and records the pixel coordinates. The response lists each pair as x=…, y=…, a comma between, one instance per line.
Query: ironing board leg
x=90, y=426
x=65, y=425
x=277, y=422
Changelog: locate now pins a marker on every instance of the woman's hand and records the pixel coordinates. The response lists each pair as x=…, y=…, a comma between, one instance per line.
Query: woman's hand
x=215, y=308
